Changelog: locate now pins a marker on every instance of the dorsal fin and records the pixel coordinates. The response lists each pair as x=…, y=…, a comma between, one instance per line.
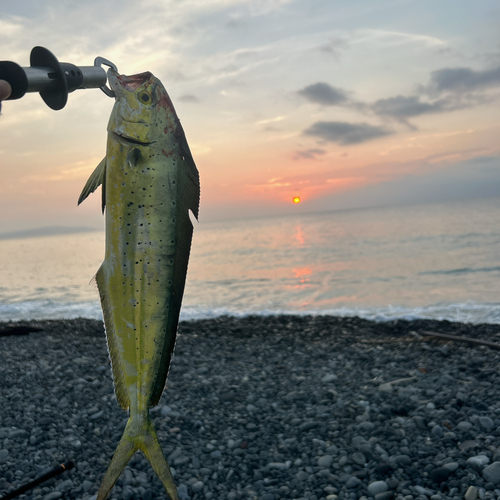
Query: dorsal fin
x=191, y=185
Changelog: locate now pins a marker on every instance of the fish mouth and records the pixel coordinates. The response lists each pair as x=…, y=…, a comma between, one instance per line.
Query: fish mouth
x=133, y=82
x=132, y=141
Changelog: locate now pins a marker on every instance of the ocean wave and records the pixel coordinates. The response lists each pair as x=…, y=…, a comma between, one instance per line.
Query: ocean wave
x=460, y=312
x=462, y=270
x=49, y=309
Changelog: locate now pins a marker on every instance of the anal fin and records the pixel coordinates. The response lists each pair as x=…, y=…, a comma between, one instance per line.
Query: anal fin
x=113, y=347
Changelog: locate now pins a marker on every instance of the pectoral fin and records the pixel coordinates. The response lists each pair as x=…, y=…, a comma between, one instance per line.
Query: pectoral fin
x=133, y=157
x=95, y=180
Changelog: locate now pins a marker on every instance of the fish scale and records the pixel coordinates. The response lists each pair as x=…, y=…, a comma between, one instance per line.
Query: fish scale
x=150, y=183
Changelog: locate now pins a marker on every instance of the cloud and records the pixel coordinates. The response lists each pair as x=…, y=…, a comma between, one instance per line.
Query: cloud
x=334, y=47
x=308, y=154
x=405, y=107
x=188, y=98
x=324, y=94
x=449, y=89
x=461, y=80
x=344, y=133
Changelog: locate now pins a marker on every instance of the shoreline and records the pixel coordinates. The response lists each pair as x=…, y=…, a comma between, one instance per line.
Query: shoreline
x=266, y=407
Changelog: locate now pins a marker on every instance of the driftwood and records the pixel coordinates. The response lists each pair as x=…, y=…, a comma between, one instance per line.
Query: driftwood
x=426, y=335
x=19, y=330
x=456, y=338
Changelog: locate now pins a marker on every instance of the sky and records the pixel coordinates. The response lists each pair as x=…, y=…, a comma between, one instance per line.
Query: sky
x=343, y=104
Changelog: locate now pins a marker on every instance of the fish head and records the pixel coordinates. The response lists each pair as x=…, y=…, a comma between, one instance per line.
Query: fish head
x=143, y=112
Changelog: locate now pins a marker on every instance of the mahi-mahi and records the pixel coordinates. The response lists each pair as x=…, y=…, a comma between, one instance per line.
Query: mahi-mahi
x=149, y=185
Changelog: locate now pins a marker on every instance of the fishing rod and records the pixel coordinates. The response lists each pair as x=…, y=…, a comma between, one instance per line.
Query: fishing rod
x=55, y=471
x=54, y=80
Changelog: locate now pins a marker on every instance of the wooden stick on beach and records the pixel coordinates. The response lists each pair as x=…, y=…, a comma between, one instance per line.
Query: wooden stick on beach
x=456, y=338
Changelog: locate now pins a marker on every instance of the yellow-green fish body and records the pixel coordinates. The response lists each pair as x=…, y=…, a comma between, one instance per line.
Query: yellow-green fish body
x=150, y=183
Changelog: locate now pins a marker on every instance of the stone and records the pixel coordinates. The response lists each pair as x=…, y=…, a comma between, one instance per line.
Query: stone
x=486, y=423
x=127, y=493
x=63, y=403
x=267, y=496
x=142, y=478
x=3, y=455
x=330, y=490
x=367, y=426
x=377, y=487
x=65, y=485
x=491, y=473
x=18, y=433
x=437, y=431
x=197, y=487
x=97, y=415
x=468, y=445
x=384, y=469
x=358, y=441
x=87, y=485
x=331, y=377
x=367, y=452
x=325, y=461
x=53, y=496
x=402, y=459
x=279, y=465
x=332, y=450
x=440, y=474
x=478, y=462
x=423, y=491
x=451, y=466
x=471, y=493
x=352, y=482
x=359, y=458
x=385, y=495
x=165, y=410
x=182, y=492
x=464, y=426
x=308, y=426
x=302, y=475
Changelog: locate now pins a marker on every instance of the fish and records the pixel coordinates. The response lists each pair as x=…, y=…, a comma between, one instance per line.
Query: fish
x=150, y=184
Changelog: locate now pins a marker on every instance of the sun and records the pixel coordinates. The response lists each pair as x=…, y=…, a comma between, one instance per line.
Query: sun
x=296, y=199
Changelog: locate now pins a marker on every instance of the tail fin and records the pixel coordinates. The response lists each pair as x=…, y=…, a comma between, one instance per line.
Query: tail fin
x=139, y=434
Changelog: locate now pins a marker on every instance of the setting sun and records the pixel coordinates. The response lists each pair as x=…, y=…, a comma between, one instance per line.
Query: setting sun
x=296, y=199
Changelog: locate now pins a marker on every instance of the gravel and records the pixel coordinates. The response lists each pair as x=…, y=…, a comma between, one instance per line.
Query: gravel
x=262, y=407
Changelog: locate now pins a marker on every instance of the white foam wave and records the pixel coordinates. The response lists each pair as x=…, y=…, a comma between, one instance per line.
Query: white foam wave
x=464, y=313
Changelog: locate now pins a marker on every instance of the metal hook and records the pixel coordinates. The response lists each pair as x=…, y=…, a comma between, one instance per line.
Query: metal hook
x=99, y=61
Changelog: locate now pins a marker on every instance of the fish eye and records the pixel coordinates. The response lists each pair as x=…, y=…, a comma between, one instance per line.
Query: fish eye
x=144, y=97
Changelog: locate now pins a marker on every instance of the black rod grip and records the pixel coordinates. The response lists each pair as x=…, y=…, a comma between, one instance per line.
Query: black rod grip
x=56, y=471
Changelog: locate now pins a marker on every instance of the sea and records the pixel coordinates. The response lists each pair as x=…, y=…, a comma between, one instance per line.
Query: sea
x=439, y=260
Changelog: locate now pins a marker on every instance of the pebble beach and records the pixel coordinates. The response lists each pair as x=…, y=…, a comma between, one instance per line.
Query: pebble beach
x=262, y=407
